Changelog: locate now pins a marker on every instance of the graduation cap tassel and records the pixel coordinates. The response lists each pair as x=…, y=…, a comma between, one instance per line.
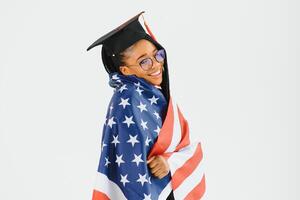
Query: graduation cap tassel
x=148, y=29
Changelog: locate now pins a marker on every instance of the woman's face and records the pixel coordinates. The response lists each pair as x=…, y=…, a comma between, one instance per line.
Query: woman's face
x=135, y=54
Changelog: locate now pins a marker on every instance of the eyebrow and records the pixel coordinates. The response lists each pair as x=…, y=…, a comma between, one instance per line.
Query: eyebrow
x=145, y=54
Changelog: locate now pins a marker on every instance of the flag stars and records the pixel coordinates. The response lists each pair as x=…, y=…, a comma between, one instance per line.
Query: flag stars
x=144, y=124
x=142, y=107
x=119, y=159
x=123, y=88
x=156, y=114
x=110, y=108
x=106, y=162
x=137, y=159
x=128, y=121
x=103, y=145
x=115, y=140
x=142, y=179
x=153, y=100
x=132, y=140
x=157, y=130
x=139, y=90
x=147, y=141
x=138, y=84
x=111, y=122
x=124, y=179
x=147, y=197
x=115, y=77
x=124, y=102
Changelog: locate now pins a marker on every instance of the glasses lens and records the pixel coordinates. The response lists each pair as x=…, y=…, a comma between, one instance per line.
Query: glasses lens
x=160, y=55
x=146, y=63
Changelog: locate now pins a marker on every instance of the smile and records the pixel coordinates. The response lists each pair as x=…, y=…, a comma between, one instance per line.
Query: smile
x=156, y=74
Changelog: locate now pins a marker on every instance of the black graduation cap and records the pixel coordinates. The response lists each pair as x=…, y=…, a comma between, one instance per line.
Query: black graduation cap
x=122, y=37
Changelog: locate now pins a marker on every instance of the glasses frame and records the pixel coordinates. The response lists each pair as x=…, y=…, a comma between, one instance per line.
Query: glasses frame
x=151, y=59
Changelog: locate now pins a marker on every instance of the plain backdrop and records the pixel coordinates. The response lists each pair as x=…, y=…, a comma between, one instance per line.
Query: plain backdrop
x=234, y=66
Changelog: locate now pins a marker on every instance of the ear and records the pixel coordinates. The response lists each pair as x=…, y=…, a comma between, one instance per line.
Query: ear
x=125, y=70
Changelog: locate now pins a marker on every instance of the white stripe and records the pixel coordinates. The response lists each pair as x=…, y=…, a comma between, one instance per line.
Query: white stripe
x=165, y=192
x=111, y=189
x=176, y=129
x=177, y=159
x=190, y=182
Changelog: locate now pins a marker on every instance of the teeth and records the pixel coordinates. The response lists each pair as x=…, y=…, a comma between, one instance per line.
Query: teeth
x=156, y=73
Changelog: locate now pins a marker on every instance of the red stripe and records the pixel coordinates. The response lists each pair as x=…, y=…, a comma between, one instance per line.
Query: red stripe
x=187, y=168
x=185, y=134
x=166, y=133
x=97, y=195
x=149, y=31
x=198, y=191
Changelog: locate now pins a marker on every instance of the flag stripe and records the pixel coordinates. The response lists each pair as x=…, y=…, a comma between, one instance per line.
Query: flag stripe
x=190, y=182
x=165, y=136
x=198, y=191
x=185, y=134
x=165, y=192
x=108, y=187
x=176, y=135
x=97, y=195
x=187, y=168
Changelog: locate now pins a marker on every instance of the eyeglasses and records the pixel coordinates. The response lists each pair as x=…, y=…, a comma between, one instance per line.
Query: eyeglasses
x=147, y=63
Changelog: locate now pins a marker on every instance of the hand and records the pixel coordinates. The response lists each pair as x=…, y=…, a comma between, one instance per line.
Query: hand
x=159, y=166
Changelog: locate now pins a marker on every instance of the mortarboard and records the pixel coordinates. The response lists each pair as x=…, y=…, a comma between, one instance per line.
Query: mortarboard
x=122, y=37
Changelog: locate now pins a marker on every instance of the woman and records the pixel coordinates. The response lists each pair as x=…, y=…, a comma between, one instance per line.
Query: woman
x=134, y=163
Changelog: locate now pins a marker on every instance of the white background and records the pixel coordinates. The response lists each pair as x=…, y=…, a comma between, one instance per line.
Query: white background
x=234, y=66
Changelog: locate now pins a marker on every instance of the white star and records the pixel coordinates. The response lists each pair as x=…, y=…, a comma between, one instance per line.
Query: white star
x=144, y=124
x=142, y=179
x=124, y=179
x=115, y=77
x=139, y=90
x=123, y=88
x=103, y=145
x=142, y=107
x=156, y=114
x=132, y=140
x=128, y=121
x=153, y=100
x=157, y=130
x=137, y=84
x=111, y=107
x=147, y=197
x=147, y=141
x=149, y=180
x=137, y=159
x=119, y=159
x=124, y=102
x=111, y=122
x=106, y=162
x=115, y=141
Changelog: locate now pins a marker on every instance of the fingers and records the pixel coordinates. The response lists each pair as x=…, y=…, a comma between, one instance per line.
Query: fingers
x=160, y=173
x=150, y=159
x=157, y=167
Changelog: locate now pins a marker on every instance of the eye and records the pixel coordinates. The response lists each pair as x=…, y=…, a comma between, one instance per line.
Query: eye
x=160, y=55
x=145, y=62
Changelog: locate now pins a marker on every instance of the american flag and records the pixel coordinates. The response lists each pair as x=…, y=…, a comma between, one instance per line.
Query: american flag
x=140, y=124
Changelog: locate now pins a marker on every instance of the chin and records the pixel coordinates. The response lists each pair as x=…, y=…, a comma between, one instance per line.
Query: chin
x=155, y=82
